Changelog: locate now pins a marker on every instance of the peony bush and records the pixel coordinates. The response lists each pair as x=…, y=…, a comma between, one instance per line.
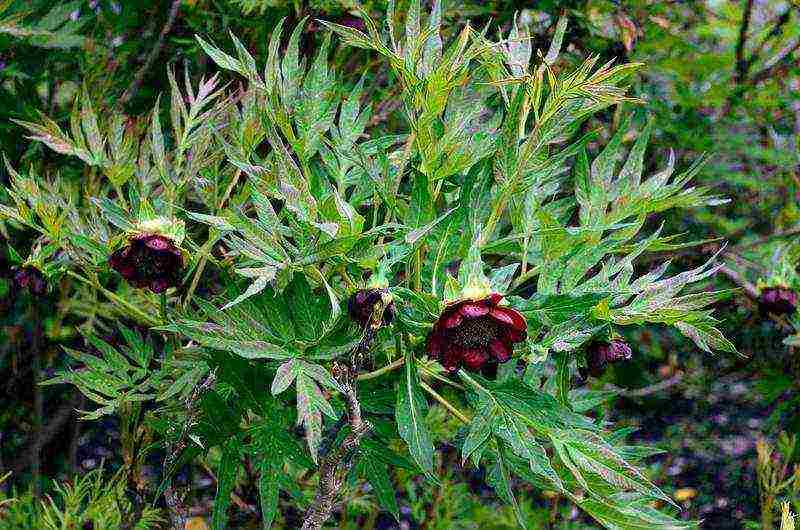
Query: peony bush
x=266, y=274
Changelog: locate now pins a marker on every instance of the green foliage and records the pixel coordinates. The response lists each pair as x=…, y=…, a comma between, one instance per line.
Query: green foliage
x=90, y=499
x=282, y=189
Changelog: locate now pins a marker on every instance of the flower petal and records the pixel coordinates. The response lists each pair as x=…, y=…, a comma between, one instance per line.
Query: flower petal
x=500, y=350
x=452, y=358
x=436, y=343
x=494, y=299
x=158, y=243
x=509, y=317
x=515, y=335
x=452, y=320
x=159, y=285
x=474, y=358
x=473, y=310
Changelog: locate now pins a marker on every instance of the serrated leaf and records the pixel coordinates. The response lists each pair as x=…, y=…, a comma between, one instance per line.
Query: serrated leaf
x=410, y=414
x=268, y=494
x=226, y=480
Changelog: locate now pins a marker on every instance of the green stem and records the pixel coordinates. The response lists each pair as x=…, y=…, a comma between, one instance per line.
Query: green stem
x=438, y=377
x=474, y=384
x=497, y=211
x=524, y=277
x=204, y=253
x=446, y=404
x=398, y=345
x=164, y=307
x=418, y=270
x=380, y=371
x=228, y=191
x=116, y=299
x=118, y=190
x=346, y=277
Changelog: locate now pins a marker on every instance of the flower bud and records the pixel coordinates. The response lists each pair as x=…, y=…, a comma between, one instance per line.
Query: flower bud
x=778, y=300
x=32, y=279
x=361, y=306
x=599, y=354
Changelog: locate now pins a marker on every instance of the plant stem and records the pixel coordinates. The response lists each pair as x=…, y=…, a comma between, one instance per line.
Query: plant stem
x=164, y=307
x=177, y=512
x=229, y=189
x=204, y=252
x=38, y=399
x=474, y=384
x=380, y=371
x=494, y=216
x=116, y=299
x=333, y=469
x=449, y=406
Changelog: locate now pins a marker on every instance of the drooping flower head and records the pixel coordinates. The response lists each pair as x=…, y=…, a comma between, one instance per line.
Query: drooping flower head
x=362, y=304
x=150, y=259
x=474, y=332
x=601, y=353
x=30, y=278
x=778, y=300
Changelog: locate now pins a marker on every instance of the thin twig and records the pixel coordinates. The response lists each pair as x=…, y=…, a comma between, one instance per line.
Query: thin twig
x=741, y=62
x=151, y=58
x=650, y=389
x=446, y=404
x=750, y=289
x=38, y=398
x=334, y=467
x=177, y=512
x=380, y=371
x=782, y=59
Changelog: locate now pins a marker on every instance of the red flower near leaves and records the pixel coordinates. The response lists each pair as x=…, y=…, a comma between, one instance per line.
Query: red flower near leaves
x=472, y=333
x=149, y=261
x=599, y=354
x=362, y=303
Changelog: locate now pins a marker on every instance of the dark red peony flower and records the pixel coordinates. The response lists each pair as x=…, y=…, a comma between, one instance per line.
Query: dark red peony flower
x=472, y=333
x=149, y=261
x=599, y=354
x=361, y=305
x=31, y=278
x=778, y=300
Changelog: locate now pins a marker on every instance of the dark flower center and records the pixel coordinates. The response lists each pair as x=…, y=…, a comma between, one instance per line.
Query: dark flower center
x=475, y=332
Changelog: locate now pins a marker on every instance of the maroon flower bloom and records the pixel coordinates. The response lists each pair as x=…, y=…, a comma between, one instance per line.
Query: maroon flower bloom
x=600, y=354
x=149, y=261
x=778, y=300
x=362, y=303
x=31, y=278
x=472, y=333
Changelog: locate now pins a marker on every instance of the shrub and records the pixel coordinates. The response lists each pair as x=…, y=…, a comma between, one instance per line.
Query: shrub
x=479, y=249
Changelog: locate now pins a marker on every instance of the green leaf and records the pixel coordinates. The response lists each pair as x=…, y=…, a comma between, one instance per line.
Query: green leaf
x=630, y=512
x=226, y=480
x=499, y=478
x=411, y=411
x=377, y=474
x=268, y=494
x=587, y=455
x=500, y=279
x=563, y=378
x=558, y=37
x=479, y=430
